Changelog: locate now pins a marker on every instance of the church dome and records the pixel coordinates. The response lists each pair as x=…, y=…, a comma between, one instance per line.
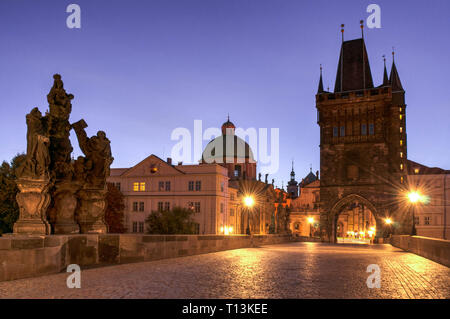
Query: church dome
x=228, y=148
x=217, y=152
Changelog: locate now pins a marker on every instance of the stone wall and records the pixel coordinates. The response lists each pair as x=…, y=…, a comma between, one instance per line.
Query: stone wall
x=437, y=250
x=24, y=256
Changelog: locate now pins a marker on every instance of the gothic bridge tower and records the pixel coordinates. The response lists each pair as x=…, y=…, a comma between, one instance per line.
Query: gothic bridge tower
x=362, y=141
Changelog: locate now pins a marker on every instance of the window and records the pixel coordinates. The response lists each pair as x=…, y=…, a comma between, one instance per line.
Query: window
x=135, y=206
x=167, y=186
x=196, y=228
x=416, y=171
x=401, y=179
x=141, y=227
x=237, y=170
x=191, y=185
x=221, y=208
x=135, y=187
x=400, y=109
x=166, y=206
x=231, y=211
x=427, y=220
x=401, y=166
x=142, y=186
x=335, y=131
x=222, y=186
x=160, y=186
x=401, y=154
x=231, y=196
x=197, y=207
x=160, y=206
x=401, y=116
x=117, y=186
x=416, y=220
x=401, y=142
x=141, y=206
x=401, y=129
x=134, y=227
x=198, y=185
x=342, y=130
x=363, y=129
x=371, y=129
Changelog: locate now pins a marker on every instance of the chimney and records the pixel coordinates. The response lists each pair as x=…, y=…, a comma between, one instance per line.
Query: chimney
x=317, y=174
x=259, y=177
x=180, y=163
x=266, y=176
x=169, y=161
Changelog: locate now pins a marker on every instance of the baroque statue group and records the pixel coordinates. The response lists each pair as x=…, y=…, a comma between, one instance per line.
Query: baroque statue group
x=58, y=194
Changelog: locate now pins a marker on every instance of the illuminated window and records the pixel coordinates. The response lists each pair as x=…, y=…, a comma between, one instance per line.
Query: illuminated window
x=401, y=129
x=416, y=171
x=401, y=166
x=400, y=110
x=401, y=179
x=136, y=187
x=401, y=142
x=142, y=186
x=401, y=154
x=363, y=129
x=401, y=116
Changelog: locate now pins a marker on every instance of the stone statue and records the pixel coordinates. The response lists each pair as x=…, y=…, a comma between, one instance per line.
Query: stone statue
x=98, y=154
x=37, y=160
x=33, y=179
x=69, y=193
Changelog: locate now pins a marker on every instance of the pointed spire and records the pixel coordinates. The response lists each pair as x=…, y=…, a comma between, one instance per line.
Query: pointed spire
x=394, y=78
x=385, y=76
x=320, y=89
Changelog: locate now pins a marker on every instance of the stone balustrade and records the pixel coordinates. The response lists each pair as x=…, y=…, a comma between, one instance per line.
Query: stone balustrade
x=24, y=256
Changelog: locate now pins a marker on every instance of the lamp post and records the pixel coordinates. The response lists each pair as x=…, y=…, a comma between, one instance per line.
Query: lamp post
x=249, y=202
x=310, y=222
x=388, y=221
x=414, y=198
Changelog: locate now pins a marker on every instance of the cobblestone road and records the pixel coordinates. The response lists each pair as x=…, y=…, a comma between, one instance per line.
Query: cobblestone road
x=294, y=270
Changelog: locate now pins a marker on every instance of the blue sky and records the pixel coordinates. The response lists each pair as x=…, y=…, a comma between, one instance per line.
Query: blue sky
x=139, y=69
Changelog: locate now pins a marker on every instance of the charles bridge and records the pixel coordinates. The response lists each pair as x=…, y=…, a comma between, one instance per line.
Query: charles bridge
x=61, y=223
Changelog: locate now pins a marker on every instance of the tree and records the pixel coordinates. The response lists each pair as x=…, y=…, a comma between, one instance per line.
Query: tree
x=9, y=210
x=115, y=206
x=171, y=222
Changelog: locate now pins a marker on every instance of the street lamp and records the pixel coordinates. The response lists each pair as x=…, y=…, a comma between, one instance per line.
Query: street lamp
x=310, y=221
x=249, y=202
x=414, y=198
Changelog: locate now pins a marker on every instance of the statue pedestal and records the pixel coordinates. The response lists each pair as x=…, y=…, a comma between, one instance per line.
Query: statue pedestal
x=33, y=199
x=64, y=206
x=91, y=212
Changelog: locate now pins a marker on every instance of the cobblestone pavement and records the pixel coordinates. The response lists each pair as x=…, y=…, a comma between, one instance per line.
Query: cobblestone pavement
x=293, y=270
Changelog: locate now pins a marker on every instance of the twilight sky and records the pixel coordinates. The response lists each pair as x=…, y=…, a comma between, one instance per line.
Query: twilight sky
x=140, y=69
